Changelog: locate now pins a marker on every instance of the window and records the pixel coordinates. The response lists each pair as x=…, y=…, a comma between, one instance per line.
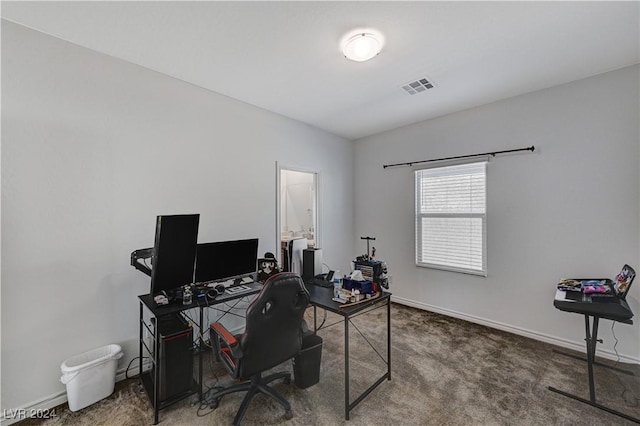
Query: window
x=451, y=218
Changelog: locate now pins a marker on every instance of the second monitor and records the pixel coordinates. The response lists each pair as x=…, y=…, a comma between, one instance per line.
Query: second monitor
x=226, y=259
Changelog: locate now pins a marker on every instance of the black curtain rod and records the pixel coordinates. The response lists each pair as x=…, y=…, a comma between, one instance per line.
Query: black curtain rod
x=493, y=154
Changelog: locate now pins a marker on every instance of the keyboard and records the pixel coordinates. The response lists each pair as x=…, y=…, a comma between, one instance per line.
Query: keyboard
x=229, y=283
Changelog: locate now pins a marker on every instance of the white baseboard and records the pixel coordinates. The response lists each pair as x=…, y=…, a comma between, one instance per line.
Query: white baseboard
x=44, y=405
x=569, y=344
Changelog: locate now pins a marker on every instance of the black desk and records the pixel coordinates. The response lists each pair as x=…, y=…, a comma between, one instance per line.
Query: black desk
x=616, y=310
x=151, y=384
x=321, y=298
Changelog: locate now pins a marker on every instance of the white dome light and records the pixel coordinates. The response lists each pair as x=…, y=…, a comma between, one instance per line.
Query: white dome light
x=361, y=47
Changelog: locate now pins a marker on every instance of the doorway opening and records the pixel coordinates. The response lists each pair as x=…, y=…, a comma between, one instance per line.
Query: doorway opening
x=297, y=215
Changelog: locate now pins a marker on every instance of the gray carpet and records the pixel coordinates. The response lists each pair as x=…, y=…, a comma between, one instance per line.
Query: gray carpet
x=444, y=372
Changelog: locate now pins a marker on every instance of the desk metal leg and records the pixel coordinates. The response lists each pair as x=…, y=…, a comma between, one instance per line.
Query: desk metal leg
x=581, y=358
x=591, y=354
x=348, y=406
x=200, y=351
x=315, y=315
x=156, y=373
x=389, y=339
x=154, y=386
x=346, y=368
x=140, y=346
x=592, y=340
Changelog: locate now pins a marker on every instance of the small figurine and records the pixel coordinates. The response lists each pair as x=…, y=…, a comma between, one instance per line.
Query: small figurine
x=267, y=267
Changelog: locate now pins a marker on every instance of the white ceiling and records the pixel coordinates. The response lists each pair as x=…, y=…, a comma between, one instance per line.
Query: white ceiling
x=285, y=56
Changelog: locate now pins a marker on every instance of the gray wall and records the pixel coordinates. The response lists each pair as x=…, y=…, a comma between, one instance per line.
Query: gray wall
x=569, y=209
x=94, y=148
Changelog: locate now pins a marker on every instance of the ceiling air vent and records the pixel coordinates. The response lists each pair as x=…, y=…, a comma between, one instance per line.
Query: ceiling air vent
x=417, y=86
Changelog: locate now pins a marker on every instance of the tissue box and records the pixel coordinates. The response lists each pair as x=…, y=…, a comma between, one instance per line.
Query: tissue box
x=365, y=286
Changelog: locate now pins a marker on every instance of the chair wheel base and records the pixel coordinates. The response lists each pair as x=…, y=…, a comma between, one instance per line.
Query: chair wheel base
x=288, y=414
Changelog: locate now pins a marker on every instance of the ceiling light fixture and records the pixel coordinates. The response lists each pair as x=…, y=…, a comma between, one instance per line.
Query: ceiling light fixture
x=361, y=46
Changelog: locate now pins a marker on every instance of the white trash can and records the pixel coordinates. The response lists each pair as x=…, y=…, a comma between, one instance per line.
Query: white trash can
x=90, y=376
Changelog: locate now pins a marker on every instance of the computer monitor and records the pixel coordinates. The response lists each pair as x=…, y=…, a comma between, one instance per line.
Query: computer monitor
x=174, y=252
x=226, y=259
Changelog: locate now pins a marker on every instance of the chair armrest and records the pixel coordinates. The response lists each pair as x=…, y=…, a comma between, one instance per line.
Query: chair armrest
x=227, y=338
x=221, y=331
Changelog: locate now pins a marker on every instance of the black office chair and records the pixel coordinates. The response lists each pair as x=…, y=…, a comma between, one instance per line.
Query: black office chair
x=272, y=335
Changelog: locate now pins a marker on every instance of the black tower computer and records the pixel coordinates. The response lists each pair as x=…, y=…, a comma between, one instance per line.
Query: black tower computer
x=311, y=263
x=175, y=356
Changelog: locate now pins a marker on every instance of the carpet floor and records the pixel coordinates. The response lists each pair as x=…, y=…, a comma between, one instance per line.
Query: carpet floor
x=444, y=371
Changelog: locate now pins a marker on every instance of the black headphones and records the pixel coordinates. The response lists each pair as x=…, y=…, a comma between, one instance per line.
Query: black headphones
x=216, y=291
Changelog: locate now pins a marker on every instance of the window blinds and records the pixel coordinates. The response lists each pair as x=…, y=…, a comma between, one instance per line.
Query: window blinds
x=451, y=218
